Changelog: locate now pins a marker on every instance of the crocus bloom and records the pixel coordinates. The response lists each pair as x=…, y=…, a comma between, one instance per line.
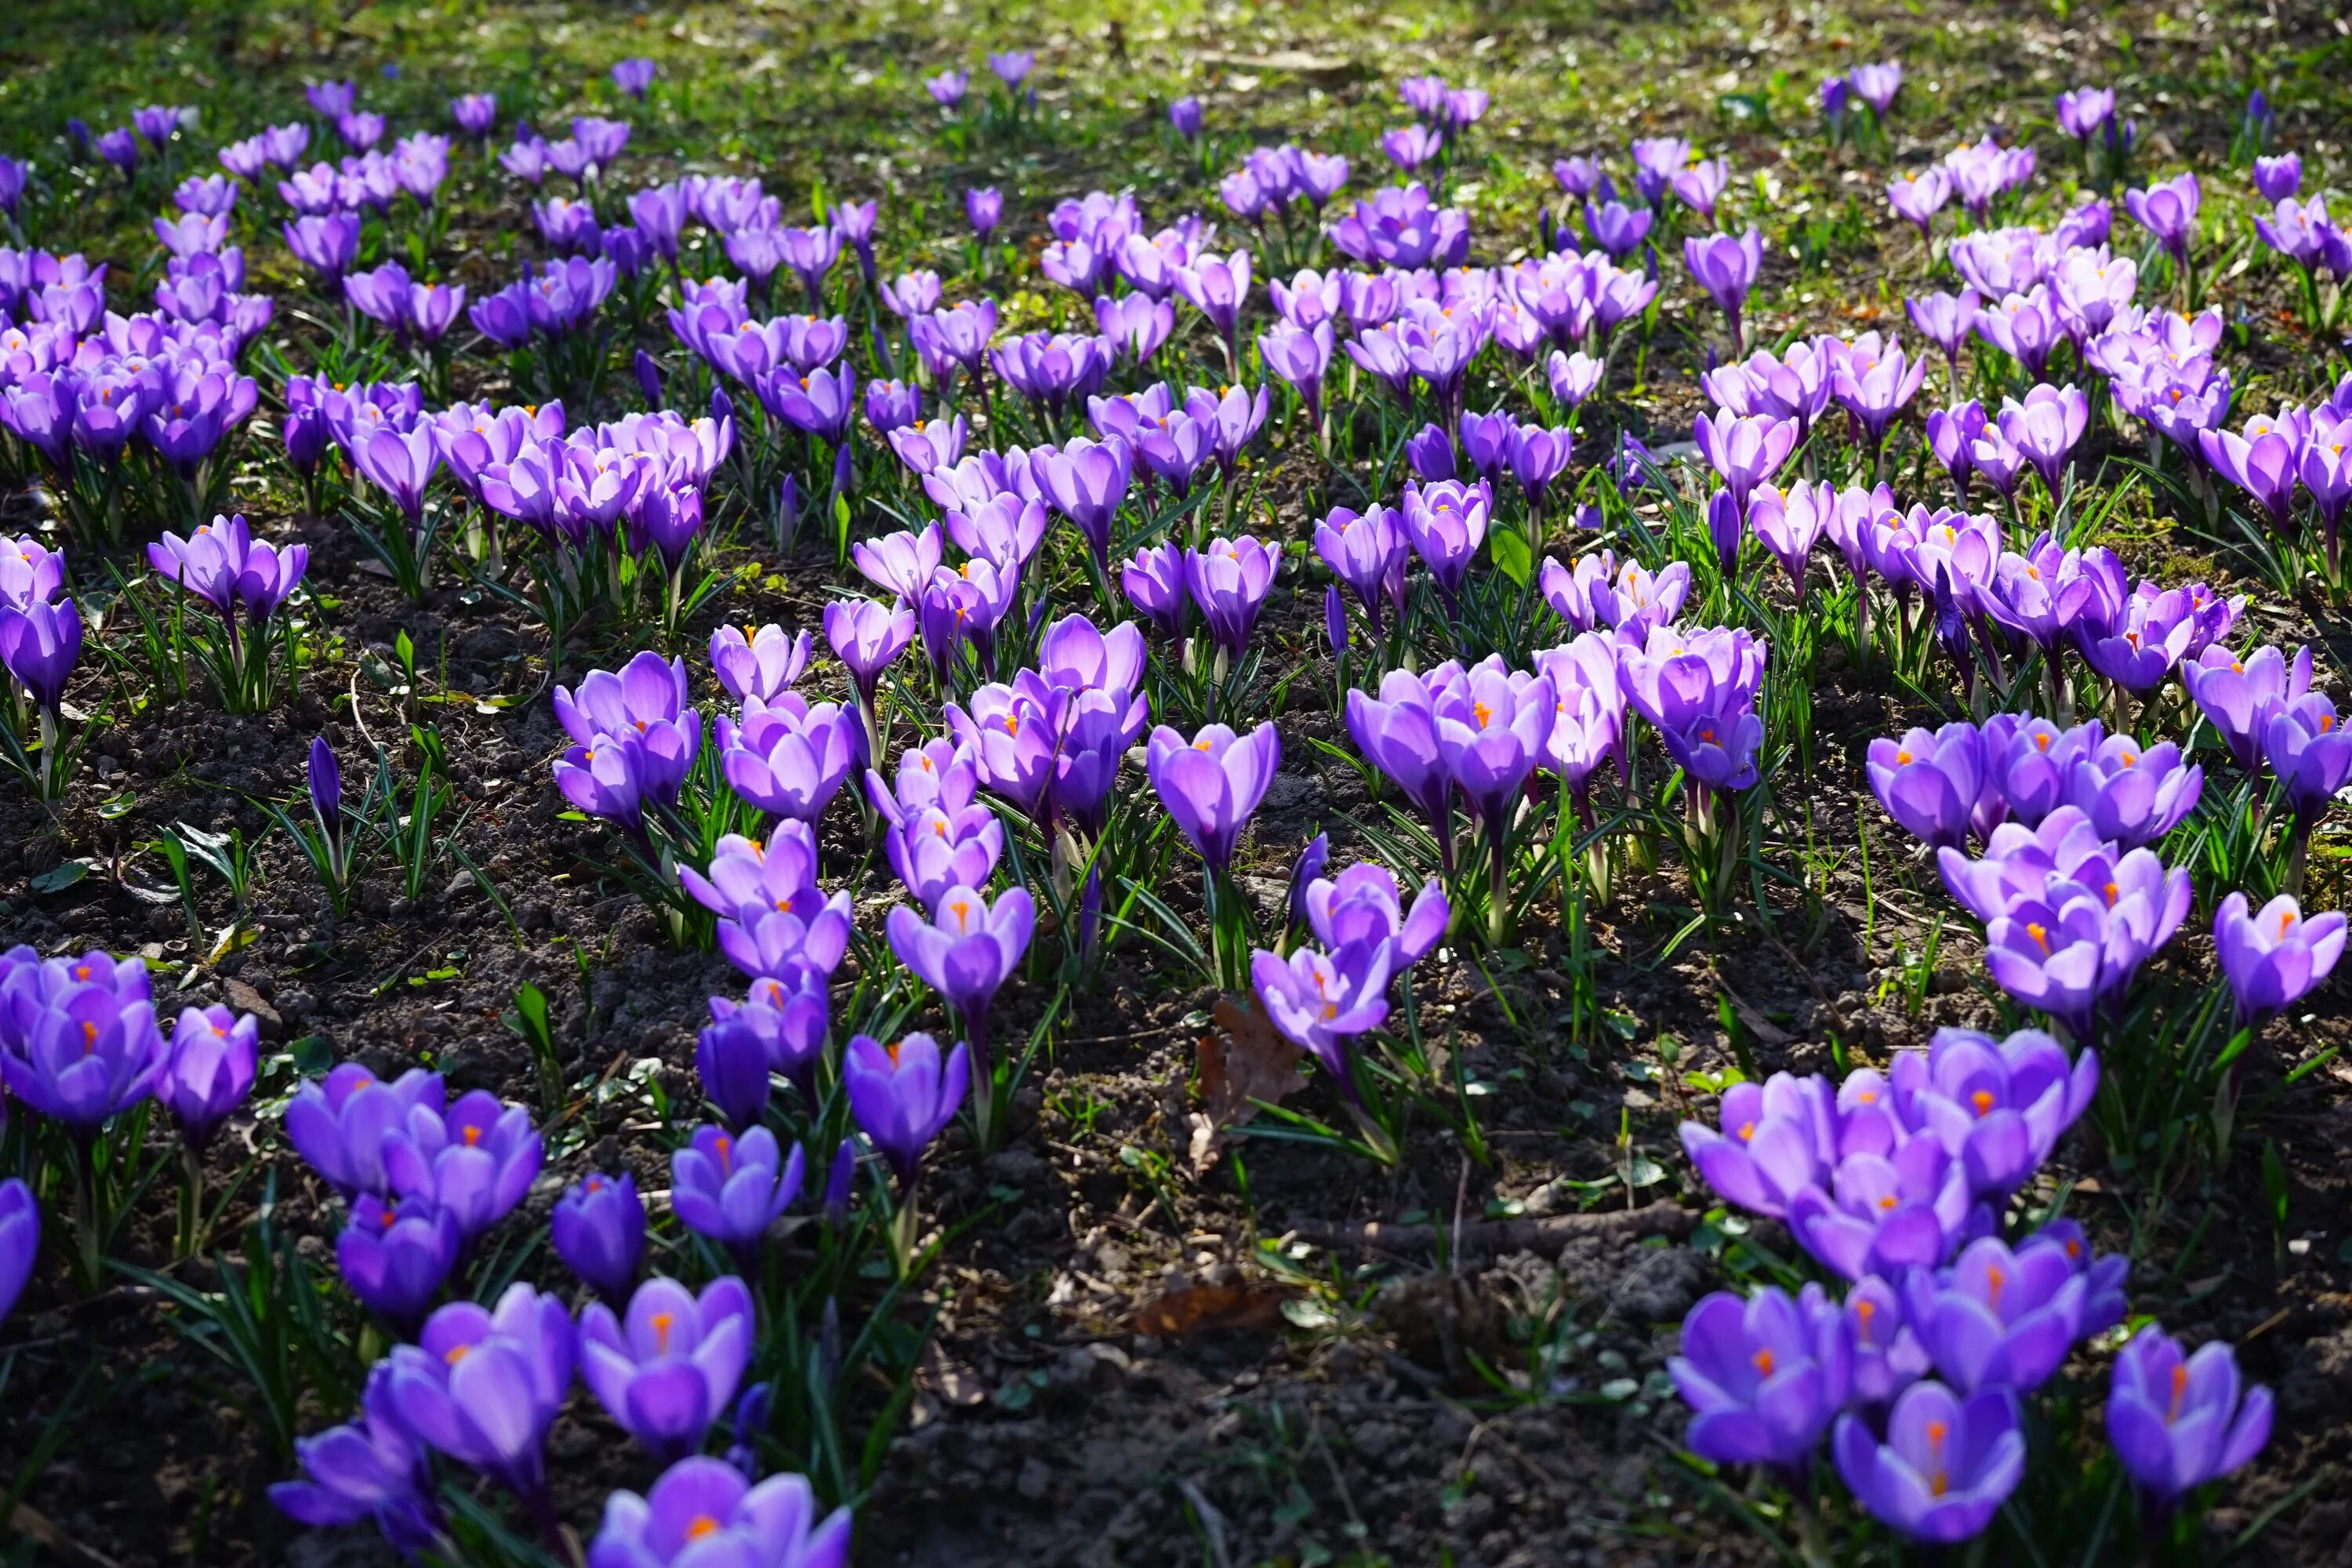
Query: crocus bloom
x=210, y=1070
x=1229, y=581
x=1153, y=582
x=483, y=1387
x=1446, y=523
x=1928, y=783
x=1491, y=727
x=1321, y=1001
x=966, y=951
x=1777, y=1140
x=1212, y=785
x=1397, y=732
x=1364, y=551
x=790, y=757
x=731, y=1190
x=2168, y=210
x=1996, y=1318
x=370, y=1467
x=395, y=1255
x=1363, y=905
x=1727, y=268
x=1764, y=1377
x=599, y=1230
x=904, y=1095
x=2238, y=694
x=983, y=206
x=707, y=1512
x=1745, y=451
x=1997, y=1105
x=39, y=645
x=2275, y=957
x=2178, y=1421
x=20, y=1240
x=1945, y=1466
x=667, y=1372
x=1891, y=1211
x=2306, y=746
x=340, y=1126
x=476, y=1160
x=762, y=664
x=79, y=1051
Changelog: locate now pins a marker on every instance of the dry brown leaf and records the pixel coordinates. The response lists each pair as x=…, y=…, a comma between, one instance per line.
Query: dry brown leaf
x=1244, y=1062
x=1193, y=1307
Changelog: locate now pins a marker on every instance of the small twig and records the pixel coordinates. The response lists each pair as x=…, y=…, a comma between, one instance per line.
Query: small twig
x=1546, y=1236
x=1213, y=1523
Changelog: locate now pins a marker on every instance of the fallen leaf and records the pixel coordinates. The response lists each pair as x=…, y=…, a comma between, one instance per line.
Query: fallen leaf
x=953, y=1384
x=1193, y=1308
x=1247, y=1062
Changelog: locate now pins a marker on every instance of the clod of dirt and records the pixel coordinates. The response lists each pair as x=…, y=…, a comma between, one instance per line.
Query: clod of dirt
x=1436, y=1318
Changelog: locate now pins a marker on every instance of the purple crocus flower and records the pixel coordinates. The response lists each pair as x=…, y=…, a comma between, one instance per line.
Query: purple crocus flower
x=904, y=1096
x=2133, y=795
x=598, y=1226
x=762, y=664
x=2307, y=748
x=1873, y=383
x=2180, y=1420
x=1153, y=582
x=209, y=1071
x=39, y=646
x=705, y=1512
x=475, y=112
x=1929, y=782
x=325, y=243
x=1891, y=1211
x=80, y=1051
x=395, y=1255
x=1212, y=785
x=868, y=638
x=340, y=1126
x=1726, y=268
x=966, y=952
x=119, y=147
x=1945, y=1466
x=2168, y=210
x=1997, y=1318
x=1397, y=730
x=2275, y=957
x=790, y=757
x=1321, y=1001
x=1997, y=1105
x=1364, y=551
x=947, y=88
x=2265, y=461
x=2238, y=694
x=639, y=715
x=1086, y=481
x=731, y=1190
x=20, y=1240
x=476, y=1160
x=1491, y=727
x=634, y=76
x=2045, y=428
x=368, y=1467
x=1229, y=580
x=983, y=208
x=1777, y=1140
x=1745, y=451
x=1446, y=522
x=668, y=1370
x=1764, y=1377
x=483, y=1387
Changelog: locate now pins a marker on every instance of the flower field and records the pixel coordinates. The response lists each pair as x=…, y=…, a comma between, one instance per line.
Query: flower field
x=1191, y=784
